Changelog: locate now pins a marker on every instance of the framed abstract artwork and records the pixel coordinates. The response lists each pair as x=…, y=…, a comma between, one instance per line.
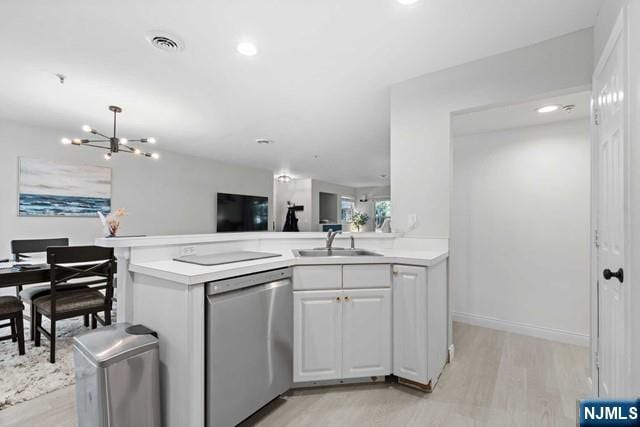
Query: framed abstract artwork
x=49, y=188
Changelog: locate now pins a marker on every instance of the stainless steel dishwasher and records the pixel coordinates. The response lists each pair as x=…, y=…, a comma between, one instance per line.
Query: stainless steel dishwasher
x=249, y=344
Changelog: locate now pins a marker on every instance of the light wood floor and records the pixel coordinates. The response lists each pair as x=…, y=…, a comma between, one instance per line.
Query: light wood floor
x=496, y=379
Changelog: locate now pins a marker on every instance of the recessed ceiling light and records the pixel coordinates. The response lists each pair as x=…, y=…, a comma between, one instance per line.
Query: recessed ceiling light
x=284, y=178
x=247, y=49
x=407, y=2
x=548, y=109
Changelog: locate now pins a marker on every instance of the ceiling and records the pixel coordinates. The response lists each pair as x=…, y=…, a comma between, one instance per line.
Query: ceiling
x=521, y=114
x=319, y=86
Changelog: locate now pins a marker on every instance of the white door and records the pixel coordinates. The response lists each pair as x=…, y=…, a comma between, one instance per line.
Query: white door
x=609, y=116
x=317, y=335
x=366, y=338
x=410, y=323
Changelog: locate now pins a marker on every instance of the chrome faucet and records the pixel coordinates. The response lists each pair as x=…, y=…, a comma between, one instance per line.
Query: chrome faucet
x=353, y=242
x=330, y=236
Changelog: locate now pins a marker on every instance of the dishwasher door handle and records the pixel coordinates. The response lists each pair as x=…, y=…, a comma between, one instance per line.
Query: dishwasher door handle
x=251, y=289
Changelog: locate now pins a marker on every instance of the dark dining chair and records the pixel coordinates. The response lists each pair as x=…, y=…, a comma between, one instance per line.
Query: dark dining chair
x=11, y=310
x=22, y=250
x=78, y=275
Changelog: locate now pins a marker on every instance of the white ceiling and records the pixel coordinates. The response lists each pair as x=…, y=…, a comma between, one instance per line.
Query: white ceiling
x=319, y=85
x=521, y=114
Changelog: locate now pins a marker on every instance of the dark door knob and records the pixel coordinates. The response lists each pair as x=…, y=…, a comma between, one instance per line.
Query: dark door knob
x=608, y=274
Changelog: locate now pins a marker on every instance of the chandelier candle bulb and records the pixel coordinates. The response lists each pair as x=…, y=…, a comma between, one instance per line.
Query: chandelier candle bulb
x=65, y=141
x=87, y=128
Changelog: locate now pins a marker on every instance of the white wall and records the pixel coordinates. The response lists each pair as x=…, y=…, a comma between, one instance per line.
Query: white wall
x=369, y=206
x=605, y=20
x=174, y=195
x=520, y=230
x=420, y=118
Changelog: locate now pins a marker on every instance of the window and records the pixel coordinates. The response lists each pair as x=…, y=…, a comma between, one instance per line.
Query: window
x=383, y=211
x=346, y=209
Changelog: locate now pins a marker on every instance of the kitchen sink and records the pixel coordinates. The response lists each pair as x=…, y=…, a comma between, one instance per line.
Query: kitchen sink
x=333, y=252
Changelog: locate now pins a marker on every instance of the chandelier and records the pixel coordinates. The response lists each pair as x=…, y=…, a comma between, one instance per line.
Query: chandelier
x=113, y=144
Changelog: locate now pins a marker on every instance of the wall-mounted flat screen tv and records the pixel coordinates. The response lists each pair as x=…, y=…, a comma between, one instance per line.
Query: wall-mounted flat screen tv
x=238, y=212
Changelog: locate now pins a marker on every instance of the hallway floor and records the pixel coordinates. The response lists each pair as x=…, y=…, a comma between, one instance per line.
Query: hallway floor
x=496, y=379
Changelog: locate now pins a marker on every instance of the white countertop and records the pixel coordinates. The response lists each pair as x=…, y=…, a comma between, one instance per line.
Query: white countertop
x=123, y=242
x=191, y=274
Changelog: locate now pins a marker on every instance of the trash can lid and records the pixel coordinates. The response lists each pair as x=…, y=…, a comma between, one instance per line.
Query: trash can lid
x=110, y=344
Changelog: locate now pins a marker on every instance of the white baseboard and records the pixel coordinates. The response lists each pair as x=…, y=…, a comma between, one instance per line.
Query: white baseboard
x=523, y=328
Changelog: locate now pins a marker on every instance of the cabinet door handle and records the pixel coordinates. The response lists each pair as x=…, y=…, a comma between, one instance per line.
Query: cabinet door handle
x=347, y=298
x=338, y=299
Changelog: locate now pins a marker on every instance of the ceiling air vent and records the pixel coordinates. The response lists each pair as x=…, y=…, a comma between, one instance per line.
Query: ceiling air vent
x=164, y=41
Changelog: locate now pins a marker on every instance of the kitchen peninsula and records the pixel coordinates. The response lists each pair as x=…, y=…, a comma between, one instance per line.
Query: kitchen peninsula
x=402, y=289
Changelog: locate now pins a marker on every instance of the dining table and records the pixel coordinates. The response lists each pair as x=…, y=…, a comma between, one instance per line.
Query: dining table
x=24, y=274
x=36, y=271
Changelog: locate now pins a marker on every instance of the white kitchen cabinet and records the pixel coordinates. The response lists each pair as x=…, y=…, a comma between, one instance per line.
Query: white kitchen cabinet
x=317, y=335
x=419, y=323
x=310, y=277
x=341, y=334
x=409, y=323
x=366, y=333
x=437, y=319
x=366, y=276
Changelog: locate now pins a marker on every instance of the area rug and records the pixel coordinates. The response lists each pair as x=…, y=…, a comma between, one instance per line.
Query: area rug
x=26, y=377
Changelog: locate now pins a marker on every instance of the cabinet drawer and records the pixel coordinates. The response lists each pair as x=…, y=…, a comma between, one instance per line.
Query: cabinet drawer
x=310, y=277
x=358, y=276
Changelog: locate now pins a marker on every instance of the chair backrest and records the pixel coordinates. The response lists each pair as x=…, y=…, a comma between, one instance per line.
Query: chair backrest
x=29, y=246
x=76, y=267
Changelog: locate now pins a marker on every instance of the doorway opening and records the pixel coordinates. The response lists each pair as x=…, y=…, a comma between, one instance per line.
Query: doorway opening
x=520, y=219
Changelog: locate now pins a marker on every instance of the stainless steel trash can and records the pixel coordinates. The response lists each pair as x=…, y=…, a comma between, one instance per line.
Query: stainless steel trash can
x=117, y=377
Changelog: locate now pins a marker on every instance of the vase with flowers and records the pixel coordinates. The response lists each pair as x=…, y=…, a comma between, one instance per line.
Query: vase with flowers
x=111, y=222
x=359, y=219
